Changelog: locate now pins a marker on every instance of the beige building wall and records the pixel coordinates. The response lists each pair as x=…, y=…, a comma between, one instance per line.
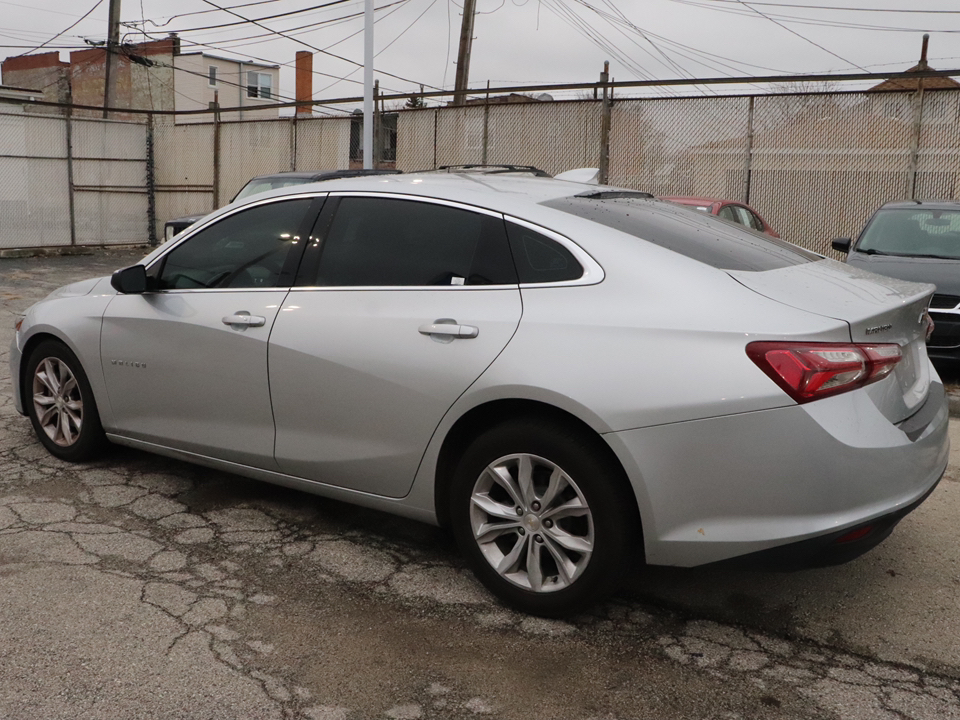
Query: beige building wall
x=194, y=91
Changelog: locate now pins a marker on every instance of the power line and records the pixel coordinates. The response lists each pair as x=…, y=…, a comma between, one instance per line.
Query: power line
x=265, y=17
x=802, y=37
x=845, y=9
x=316, y=49
x=81, y=19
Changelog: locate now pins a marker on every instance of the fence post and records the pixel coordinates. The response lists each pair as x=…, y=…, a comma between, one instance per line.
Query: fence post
x=748, y=159
x=151, y=184
x=293, y=143
x=915, y=144
x=605, y=126
x=436, y=122
x=377, y=125
x=70, y=199
x=486, y=124
x=216, y=158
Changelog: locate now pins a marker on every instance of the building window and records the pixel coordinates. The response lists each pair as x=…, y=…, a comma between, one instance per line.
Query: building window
x=259, y=85
x=212, y=76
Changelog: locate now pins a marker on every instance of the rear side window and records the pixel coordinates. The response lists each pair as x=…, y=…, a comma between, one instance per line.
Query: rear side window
x=699, y=236
x=391, y=242
x=540, y=259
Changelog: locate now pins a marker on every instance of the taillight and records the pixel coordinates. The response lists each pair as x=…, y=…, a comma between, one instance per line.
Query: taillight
x=810, y=371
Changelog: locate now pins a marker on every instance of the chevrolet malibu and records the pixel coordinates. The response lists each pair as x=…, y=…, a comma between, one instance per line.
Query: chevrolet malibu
x=570, y=377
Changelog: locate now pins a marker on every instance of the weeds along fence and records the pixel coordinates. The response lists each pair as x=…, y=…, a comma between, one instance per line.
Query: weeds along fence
x=815, y=164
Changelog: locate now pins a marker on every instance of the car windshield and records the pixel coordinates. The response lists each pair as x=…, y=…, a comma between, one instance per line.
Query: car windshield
x=259, y=185
x=913, y=231
x=697, y=235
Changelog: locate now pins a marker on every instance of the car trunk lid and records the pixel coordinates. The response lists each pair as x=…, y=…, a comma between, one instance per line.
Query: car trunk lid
x=877, y=310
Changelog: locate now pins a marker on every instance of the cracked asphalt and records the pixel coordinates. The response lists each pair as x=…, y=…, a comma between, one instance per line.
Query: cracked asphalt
x=143, y=587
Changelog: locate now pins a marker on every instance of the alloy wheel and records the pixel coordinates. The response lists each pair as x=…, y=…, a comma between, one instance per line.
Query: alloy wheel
x=531, y=522
x=57, y=401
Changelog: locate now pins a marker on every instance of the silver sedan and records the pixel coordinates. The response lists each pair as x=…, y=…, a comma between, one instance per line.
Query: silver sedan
x=570, y=377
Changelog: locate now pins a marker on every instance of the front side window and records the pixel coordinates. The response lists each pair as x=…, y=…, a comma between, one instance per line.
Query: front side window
x=245, y=250
x=913, y=231
x=392, y=242
x=259, y=85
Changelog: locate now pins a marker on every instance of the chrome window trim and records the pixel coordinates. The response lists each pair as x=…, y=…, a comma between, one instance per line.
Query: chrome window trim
x=188, y=233
x=592, y=270
x=946, y=311
x=191, y=231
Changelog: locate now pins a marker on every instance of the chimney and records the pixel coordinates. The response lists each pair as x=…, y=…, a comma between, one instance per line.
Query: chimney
x=174, y=42
x=304, y=83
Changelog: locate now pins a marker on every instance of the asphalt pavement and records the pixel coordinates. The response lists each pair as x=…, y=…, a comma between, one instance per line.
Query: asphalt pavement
x=143, y=587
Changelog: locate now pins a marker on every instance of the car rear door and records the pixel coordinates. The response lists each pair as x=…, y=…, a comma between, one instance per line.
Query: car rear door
x=400, y=305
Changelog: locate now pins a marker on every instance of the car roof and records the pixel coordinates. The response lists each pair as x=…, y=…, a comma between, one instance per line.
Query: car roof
x=928, y=204
x=317, y=175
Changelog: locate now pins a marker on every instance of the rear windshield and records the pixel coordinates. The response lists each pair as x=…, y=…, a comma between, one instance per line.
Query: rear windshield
x=913, y=231
x=699, y=236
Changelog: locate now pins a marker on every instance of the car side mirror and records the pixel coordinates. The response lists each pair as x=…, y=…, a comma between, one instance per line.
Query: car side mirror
x=130, y=280
x=841, y=244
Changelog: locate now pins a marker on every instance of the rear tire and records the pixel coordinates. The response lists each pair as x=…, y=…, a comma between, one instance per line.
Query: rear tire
x=60, y=404
x=543, y=516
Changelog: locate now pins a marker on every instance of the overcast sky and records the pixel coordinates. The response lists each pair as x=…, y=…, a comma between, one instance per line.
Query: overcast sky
x=522, y=41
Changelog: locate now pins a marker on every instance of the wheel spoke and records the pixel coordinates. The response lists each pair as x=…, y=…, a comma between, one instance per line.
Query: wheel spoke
x=534, y=568
x=68, y=387
x=493, y=508
x=491, y=531
x=46, y=378
x=574, y=543
x=572, y=508
x=525, y=480
x=565, y=566
x=43, y=400
x=502, y=477
x=511, y=560
x=66, y=432
x=558, y=481
x=48, y=413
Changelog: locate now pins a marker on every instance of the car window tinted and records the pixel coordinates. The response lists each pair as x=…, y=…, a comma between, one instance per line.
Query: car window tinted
x=700, y=237
x=540, y=259
x=244, y=250
x=913, y=231
x=391, y=242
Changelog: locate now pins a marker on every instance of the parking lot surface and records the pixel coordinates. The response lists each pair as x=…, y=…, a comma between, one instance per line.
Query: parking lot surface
x=143, y=587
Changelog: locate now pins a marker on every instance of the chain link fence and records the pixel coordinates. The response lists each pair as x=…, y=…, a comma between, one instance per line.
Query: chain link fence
x=815, y=165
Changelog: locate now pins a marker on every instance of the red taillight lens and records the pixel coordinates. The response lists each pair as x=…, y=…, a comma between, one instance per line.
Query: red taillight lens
x=810, y=371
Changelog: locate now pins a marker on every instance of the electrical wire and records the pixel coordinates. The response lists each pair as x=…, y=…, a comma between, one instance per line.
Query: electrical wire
x=319, y=50
x=845, y=9
x=71, y=27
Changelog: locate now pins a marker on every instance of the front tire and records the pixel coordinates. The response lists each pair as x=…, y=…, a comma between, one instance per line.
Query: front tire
x=60, y=403
x=543, y=516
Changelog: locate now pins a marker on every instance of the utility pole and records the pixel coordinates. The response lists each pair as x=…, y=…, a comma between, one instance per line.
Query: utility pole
x=113, y=45
x=368, y=85
x=463, y=57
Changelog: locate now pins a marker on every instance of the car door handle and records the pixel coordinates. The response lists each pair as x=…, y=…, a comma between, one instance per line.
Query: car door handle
x=246, y=320
x=450, y=330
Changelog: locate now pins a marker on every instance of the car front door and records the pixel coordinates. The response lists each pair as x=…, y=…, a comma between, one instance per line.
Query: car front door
x=400, y=305
x=185, y=364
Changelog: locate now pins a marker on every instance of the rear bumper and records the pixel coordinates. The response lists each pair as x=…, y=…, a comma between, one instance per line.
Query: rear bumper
x=741, y=485
x=832, y=549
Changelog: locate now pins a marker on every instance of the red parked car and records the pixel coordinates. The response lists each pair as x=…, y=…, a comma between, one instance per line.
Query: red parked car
x=740, y=213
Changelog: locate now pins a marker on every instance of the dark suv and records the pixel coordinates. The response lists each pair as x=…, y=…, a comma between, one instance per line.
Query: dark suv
x=917, y=240
x=263, y=183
